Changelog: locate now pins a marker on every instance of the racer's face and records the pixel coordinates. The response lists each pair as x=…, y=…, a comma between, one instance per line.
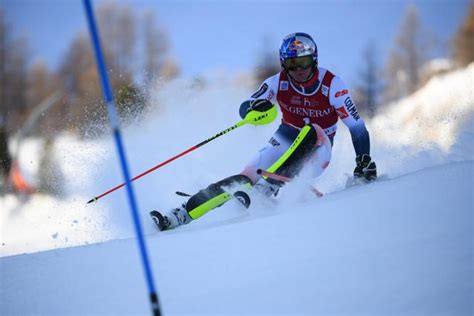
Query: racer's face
x=299, y=68
x=301, y=75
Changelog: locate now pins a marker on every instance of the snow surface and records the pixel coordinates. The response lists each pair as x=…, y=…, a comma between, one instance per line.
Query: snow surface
x=400, y=246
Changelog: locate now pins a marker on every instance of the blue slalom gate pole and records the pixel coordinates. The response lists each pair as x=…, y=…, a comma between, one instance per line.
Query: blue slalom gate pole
x=112, y=113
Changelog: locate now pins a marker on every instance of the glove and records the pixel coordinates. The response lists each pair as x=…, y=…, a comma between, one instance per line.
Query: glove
x=365, y=168
x=259, y=105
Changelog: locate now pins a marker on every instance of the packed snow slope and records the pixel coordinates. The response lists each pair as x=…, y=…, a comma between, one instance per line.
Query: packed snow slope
x=402, y=245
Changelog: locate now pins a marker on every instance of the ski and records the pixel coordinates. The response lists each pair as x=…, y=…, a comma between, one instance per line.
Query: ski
x=241, y=196
x=163, y=223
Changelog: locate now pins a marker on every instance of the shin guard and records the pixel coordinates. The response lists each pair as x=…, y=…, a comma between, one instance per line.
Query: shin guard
x=292, y=161
x=215, y=195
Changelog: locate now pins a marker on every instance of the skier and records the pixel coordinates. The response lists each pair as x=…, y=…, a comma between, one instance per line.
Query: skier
x=311, y=99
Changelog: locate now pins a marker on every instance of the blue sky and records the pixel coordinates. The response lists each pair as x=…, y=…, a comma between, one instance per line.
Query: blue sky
x=229, y=34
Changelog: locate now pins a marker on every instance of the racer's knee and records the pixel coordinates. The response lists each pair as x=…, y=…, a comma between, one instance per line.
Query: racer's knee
x=320, y=160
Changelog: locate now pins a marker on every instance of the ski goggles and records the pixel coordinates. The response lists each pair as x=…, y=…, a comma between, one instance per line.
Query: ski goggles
x=298, y=63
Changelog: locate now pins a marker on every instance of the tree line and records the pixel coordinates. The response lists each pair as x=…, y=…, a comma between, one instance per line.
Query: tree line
x=127, y=38
x=407, y=67
x=136, y=48
x=36, y=100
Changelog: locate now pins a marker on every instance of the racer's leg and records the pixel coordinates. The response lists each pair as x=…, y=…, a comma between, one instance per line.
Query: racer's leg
x=282, y=155
x=320, y=159
x=216, y=194
x=285, y=155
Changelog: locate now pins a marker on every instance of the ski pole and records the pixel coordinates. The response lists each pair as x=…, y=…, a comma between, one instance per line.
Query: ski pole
x=254, y=118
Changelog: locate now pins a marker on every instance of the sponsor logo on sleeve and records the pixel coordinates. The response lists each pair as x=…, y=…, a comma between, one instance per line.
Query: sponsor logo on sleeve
x=263, y=88
x=270, y=94
x=325, y=90
x=351, y=108
x=341, y=93
x=283, y=85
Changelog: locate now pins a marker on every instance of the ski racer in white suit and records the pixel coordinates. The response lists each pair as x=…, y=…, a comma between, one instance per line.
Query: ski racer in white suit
x=311, y=100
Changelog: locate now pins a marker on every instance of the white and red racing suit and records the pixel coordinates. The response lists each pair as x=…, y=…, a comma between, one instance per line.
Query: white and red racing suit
x=322, y=100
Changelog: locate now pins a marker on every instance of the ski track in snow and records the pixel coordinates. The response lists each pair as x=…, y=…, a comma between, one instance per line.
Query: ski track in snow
x=408, y=257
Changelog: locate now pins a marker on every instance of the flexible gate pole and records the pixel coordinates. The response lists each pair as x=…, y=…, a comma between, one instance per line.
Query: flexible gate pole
x=121, y=152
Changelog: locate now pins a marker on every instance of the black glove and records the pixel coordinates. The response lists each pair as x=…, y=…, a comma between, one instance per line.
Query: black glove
x=259, y=105
x=365, y=168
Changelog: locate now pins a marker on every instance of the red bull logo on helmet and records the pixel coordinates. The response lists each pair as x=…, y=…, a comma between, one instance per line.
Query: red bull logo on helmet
x=296, y=45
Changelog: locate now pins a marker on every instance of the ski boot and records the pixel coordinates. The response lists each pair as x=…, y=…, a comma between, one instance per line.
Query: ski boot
x=177, y=217
x=266, y=188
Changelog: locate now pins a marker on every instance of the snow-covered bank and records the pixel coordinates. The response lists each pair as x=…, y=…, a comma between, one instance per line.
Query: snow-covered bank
x=424, y=130
x=40, y=222
x=398, y=247
x=433, y=115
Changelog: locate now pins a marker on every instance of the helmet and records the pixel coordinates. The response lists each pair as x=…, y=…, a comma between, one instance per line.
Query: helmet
x=298, y=45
